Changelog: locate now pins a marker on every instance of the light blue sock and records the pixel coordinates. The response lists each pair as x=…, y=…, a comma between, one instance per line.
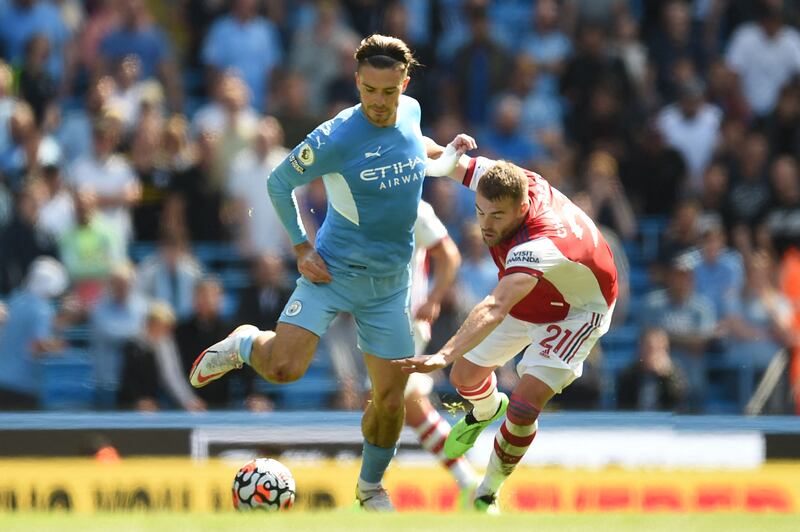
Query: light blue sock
x=246, y=345
x=374, y=462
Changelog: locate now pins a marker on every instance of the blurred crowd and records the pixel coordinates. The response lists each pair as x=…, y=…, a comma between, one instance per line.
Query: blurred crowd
x=135, y=133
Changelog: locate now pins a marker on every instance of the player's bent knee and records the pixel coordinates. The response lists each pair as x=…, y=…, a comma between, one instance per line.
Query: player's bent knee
x=461, y=377
x=283, y=372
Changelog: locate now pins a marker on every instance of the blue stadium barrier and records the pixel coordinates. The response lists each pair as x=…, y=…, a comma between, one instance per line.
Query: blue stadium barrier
x=334, y=418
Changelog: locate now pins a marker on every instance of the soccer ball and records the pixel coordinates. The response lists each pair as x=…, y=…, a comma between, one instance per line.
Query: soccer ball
x=263, y=484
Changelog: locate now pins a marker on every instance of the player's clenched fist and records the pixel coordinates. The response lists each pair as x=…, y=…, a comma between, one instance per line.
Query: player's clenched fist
x=463, y=143
x=310, y=264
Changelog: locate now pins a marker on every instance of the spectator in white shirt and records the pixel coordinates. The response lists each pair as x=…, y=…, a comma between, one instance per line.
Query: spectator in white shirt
x=57, y=214
x=691, y=126
x=230, y=103
x=766, y=55
x=110, y=177
x=250, y=170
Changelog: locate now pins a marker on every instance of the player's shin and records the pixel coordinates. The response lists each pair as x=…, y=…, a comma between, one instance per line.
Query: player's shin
x=510, y=444
x=484, y=397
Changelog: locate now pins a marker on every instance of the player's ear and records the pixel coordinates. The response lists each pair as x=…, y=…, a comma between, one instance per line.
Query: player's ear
x=405, y=83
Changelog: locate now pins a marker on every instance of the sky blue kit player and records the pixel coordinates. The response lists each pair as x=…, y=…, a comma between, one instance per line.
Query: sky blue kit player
x=373, y=176
x=373, y=159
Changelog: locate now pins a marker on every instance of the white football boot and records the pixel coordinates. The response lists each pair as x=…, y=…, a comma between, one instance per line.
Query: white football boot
x=220, y=358
x=374, y=500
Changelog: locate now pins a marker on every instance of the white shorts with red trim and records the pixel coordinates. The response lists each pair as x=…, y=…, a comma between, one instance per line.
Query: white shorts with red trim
x=555, y=351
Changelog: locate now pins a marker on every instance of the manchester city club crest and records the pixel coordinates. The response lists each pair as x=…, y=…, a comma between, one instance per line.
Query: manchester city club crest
x=294, y=308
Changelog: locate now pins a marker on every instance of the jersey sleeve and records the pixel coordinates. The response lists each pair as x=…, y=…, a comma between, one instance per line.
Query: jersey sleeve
x=475, y=170
x=535, y=257
x=428, y=229
x=312, y=158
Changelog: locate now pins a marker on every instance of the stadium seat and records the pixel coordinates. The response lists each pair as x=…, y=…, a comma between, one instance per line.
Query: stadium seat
x=137, y=251
x=77, y=335
x=640, y=280
x=66, y=381
x=216, y=255
x=650, y=230
x=235, y=278
x=619, y=351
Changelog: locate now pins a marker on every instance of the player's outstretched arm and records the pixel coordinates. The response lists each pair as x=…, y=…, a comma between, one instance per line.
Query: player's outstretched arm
x=449, y=161
x=482, y=320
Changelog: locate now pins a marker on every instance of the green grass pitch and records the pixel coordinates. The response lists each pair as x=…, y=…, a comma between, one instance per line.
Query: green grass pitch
x=351, y=522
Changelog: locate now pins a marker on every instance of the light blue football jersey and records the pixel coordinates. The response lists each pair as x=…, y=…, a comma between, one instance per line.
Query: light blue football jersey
x=373, y=177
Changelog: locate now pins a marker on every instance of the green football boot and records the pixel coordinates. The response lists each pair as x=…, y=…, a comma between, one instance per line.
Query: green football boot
x=487, y=504
x=464, y=433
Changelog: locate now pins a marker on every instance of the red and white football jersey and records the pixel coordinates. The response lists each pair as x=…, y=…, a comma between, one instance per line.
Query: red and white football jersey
x=559, y=244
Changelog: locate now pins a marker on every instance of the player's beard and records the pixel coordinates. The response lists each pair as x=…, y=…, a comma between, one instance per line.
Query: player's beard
x=505, y=234
x=385, y=117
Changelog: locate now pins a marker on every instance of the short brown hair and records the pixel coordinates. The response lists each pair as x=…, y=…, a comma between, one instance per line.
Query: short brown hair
x=503, y=180
x=382, y=51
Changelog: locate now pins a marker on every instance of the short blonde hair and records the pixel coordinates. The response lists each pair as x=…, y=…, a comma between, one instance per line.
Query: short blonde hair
x=503, y=180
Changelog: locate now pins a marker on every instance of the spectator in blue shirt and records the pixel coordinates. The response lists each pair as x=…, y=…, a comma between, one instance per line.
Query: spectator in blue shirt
x=477, y=276
x=719, y=274
x=28, y=333
x=690, y=322
x=141, y=37
x=479, y=69
x=504, y=139
x=171, y=274
x=25, y=18
x=760, y=322
x=117, y=318
x=247, y=43
x=547, y=44
x=74, y=134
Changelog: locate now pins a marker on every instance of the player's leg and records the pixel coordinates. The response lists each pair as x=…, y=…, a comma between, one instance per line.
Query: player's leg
x=548, y=366
x=432, y=430
x=430, y=427
x=283, y=355
x=381, y=426
x=474, y=378
x=513, y=439
x=384, y=333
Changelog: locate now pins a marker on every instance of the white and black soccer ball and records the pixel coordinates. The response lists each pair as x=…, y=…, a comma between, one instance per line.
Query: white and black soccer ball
x=263, y=484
